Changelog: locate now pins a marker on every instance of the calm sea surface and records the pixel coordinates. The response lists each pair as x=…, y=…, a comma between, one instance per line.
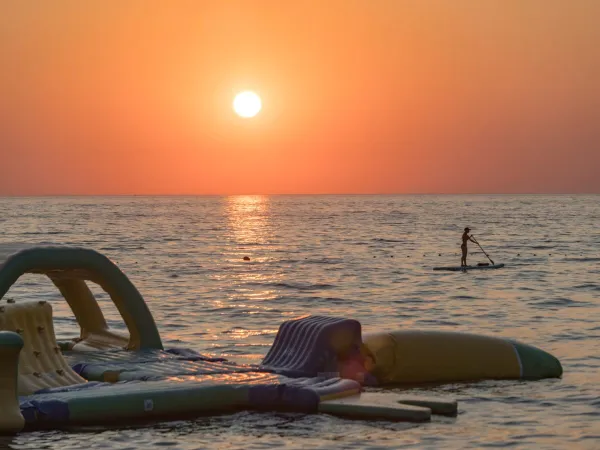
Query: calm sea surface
x=362, y=257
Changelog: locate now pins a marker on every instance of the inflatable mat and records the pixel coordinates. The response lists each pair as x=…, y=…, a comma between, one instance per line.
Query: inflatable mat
x=316, y=364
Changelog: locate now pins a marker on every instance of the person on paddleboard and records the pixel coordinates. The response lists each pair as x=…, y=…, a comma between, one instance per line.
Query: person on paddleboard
x=463, y=247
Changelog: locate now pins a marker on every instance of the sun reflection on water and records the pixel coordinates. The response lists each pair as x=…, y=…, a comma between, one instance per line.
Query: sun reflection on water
x=248, y=218
x=250, y=281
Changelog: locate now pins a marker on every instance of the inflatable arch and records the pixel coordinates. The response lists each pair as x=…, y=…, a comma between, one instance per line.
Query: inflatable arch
x=69, y=268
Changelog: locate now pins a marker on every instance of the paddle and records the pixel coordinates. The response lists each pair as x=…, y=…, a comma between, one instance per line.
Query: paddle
x=488, y=256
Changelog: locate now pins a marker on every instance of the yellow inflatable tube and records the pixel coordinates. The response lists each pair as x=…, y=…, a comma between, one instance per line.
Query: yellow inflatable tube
x=443, y=356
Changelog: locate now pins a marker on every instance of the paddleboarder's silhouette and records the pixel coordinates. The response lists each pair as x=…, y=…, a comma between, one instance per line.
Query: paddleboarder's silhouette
x=463, y=247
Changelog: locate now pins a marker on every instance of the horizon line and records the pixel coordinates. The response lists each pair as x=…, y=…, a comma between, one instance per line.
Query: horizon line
x=300, y=194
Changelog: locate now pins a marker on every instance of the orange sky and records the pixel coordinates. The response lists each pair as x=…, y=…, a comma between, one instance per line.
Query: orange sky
x=370, y=96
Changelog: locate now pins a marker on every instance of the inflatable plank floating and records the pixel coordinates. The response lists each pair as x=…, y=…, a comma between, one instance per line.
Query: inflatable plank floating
x=316, y=364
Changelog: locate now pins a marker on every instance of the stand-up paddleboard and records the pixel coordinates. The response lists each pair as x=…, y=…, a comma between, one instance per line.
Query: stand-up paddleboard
x=459, y=268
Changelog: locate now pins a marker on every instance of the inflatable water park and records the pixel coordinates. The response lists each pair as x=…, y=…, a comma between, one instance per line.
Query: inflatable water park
x=316, y=364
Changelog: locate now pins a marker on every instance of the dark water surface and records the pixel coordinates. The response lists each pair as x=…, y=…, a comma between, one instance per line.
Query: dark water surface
x=363, y=257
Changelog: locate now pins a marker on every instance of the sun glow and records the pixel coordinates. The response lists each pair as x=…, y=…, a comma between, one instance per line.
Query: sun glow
x=247, y=104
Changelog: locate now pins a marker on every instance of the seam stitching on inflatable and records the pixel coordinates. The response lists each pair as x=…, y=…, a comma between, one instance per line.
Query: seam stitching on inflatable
x=518, y=360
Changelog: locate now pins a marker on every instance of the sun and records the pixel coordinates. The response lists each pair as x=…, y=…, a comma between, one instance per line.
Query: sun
x=247, y=104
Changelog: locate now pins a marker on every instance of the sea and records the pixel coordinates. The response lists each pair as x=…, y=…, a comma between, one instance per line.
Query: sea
x=365, y=257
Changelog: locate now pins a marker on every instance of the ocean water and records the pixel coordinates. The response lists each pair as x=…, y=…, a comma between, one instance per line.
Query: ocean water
x=362, y=257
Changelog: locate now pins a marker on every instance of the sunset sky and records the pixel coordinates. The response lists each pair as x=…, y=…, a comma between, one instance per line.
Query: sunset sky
x=370, y=96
